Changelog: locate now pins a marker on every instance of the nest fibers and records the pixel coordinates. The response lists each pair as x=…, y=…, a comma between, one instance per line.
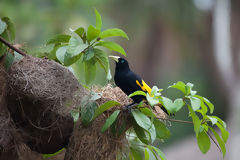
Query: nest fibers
x=45, y=81
x=89, y=143
x=41, y=94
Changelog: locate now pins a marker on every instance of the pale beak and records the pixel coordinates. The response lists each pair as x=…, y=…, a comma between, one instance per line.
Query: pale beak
x=115, y=58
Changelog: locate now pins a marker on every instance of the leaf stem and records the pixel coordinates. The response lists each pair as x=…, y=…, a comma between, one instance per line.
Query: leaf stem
x=176, y=120
x=213, y=140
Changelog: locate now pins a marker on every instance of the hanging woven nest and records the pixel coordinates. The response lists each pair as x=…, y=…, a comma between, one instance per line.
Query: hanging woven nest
x=40, y=96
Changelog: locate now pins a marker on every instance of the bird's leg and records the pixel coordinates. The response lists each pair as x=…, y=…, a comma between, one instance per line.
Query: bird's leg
x=130, y=106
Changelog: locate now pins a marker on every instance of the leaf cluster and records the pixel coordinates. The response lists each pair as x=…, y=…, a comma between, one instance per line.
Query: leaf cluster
x=85, y=45
x=198, y=107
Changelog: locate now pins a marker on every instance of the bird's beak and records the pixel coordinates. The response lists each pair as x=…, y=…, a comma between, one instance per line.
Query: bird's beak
x=115, y=58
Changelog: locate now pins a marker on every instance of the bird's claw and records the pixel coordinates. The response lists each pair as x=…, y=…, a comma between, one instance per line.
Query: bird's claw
x=129, y=107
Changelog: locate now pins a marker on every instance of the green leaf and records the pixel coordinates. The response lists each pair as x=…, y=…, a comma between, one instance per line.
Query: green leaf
x=52, y=54
x=136, y=93
x=95, y=96
x=158, y=151
x=17, y=56
x=61, y=38
x=168, y=104
x=88, y=54
x=195, y=119
x=207, y=102
x=110, y=120
x=152, y=100
x=178, y=104
x=153, y=153
x=113, y=128
x=51, y=155
x=195, y=103
x=224, y=132
x=173, y=106
x=136, y=153
x=113, y=32
x=220, y=121
x=142, y=134
x=203, y=109
x=180, y=86
x=220, y=141
x=102, y=59
x=8, y=60
x=109, y=76
x=212, y=119
x=162, y=131
x=122, y=128
x=78, y=70
x=189, y=90
x=146, y=154
x=155, y=91
x=144, y=122
x=10, y=28
x=90, y=70
x=60, y=53
x=68, y=55
x=203, y=142
x=3, y=26
x=88, y=108
x=76, y=46
x=98, y=20
x=205, y=127
x=105, y=106
x=80, y=31
x=147, y=111
x=69, y=59
x=75, y=115
x=92, y=33
x=112, y=46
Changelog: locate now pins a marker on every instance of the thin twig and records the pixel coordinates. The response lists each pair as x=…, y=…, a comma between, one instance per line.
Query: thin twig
x=213, y=140
x=175, y=120
x=12, y=47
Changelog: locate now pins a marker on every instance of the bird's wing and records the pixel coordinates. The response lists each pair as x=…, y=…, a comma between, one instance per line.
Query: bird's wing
x=141, y=85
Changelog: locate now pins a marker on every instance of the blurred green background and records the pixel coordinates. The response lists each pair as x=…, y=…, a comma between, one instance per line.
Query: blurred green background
x=170, y=40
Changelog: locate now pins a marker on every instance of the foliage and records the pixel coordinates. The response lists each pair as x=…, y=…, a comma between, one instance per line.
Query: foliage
x=198, y=107
x=84, y=45
x=142, y=151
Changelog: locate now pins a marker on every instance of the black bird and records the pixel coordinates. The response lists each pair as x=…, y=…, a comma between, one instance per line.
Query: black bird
x=128, y=81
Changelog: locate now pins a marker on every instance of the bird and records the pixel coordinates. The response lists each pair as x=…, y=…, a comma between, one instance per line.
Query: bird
x=129, y=82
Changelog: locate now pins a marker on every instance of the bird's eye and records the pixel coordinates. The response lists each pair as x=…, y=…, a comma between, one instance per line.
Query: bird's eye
x=122, y=61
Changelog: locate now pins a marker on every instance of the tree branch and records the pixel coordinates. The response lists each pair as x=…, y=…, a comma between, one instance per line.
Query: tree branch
x=12, y=47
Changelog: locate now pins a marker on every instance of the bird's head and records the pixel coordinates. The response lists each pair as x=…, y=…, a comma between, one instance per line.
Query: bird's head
x=121, y=63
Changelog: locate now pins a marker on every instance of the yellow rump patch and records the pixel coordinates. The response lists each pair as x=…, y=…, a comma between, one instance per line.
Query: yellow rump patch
x=144, y=87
